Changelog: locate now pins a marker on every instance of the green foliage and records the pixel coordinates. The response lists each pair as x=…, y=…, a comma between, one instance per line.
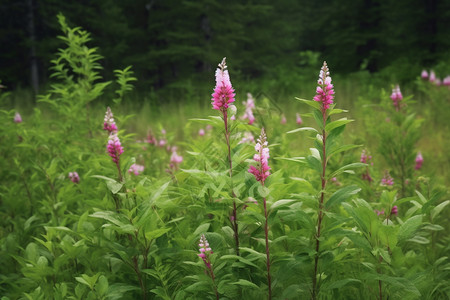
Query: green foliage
x=137, y=237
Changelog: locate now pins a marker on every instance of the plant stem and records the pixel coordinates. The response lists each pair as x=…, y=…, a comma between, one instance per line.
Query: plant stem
x=235, y=224
x=320, y=216
x=266, y=231
x=120, y=172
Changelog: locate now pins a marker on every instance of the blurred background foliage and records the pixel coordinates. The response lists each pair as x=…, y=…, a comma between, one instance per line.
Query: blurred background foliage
x=173, y=44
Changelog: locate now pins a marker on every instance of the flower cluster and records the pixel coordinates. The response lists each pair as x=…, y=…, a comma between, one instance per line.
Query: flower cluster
x=249, y=106
x=247, y=138
x=109, y=124
x=223, y=92
x=136, y=169
x=396, y=97
x=325, y=90
x=17, y=118
x=73, y=176
x=283, y=119
x=298, y=120
x=394, y=211
x=205, y=252
x=433, y=79
x=114, y=147
x=366, y=159
x=419, y=161
x=387, y=179
x=261, y=171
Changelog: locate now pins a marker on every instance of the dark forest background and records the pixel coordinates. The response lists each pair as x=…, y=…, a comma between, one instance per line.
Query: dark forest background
x=169, y=41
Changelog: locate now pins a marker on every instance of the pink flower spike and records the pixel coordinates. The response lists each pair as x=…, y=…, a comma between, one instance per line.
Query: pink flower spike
x=201, y=132
x=424, y=74
x=109, y=124
x=379, y=212
x=446, y=81
x=223, y=92
x=387, y=179
x=324, y=92
x=432, y=77
x=261, y=171
x=419, y=161
x=175, y=158
x=249, y=106
x=205, y=252
x=136, y=169
x=299, y=119
x=17, y=118
x=396, y=97
x=283, y=119
x=73, y=176
x=394, y=210
x=114, y=147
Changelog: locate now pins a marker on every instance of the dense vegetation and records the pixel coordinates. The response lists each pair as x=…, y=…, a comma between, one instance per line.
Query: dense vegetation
x=238, y=202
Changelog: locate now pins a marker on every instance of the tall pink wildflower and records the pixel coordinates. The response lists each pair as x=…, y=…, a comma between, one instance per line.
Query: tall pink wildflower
x=396, y=97
x=424, y=74
x=432, y=77
x=108, y=123
x=446, y=81
x=17, y=118
x=223, y=92
x=249, y=106
x=114, y=147
x=419, y=161
x=298, y=120
x=325, y=90
x=387, y=179
x=73, y=176
x=261, y=171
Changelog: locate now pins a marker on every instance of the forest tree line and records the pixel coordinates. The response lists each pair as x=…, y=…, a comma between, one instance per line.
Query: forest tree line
x=168, y=41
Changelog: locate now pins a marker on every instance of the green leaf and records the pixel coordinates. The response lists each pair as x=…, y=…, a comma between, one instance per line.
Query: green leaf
x=342, y=149
x=346, y=168
x=263, y=191
x=303, y=129
x=340, y=283
x=294, y=159
x=335, y=111
x=246, y=283
x=342, y=195
x=335, y=124
x=435, y=211
x=151, y=235
x=312, y=103
x=408, y=228
x=281, y=203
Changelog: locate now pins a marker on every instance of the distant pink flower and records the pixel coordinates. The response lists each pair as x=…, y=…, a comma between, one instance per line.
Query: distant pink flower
x=419, y=161
x=424, y=74
x=223, y=92
x=437, y=82
x=325, y=90
x=283, y=119
x=446, y=80
x=109, y=124
x=73, y=176
x=432, y=77
x=396, y=97
x=387, y=179
x=299, y=119
x=114, y=147
x=175, y=158
x=209, y=127
x=17, y=118
x=201, y=132
x=261, y=171
x=162, y=142
x=366, y=159
x=247, y=138
x=151, y=139
x=205, y=252
x=249, y=106
x=379, y=212
x=136, y=169
x=394, y=210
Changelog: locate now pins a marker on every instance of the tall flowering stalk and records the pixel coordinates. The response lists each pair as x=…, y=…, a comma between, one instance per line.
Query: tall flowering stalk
x=325, y=96
x=261, y=172
x=396, y=97
x=108, y=123
x=205, y=252
x=419, y=161
x=222, y=98
x=115, y=149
